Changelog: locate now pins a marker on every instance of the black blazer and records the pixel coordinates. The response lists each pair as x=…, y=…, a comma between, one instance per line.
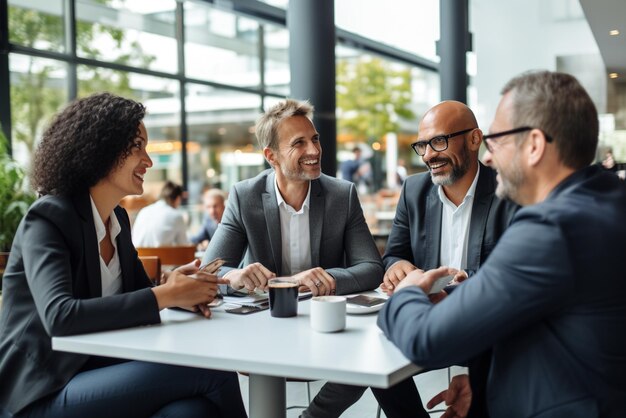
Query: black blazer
x=416, y=230
x=52, y=287
x=416, y=237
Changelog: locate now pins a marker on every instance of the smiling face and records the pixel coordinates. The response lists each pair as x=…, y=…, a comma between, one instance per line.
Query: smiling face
x=453, y=164
x=127, y=178
x=298, y=157
x=505, y=157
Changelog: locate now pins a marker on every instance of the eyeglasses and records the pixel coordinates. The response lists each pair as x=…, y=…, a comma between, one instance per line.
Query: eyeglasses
x=438, y=143
x=490, y=137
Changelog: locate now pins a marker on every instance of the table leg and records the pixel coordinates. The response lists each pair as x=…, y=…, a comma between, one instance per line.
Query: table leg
x=267, y=396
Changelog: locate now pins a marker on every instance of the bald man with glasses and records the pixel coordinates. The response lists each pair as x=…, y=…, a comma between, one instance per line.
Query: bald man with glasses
x=448, y=216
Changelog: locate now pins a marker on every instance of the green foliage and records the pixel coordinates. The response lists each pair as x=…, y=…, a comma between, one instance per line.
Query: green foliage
x=36, y=94
x=15, y=198
x=372, y=97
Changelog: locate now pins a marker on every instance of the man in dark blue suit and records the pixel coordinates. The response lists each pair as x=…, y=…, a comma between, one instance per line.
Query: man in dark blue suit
x=549, y=300
x=449, y=216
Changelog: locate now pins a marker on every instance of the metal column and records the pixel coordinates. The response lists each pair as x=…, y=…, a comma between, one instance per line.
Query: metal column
x=311, y=25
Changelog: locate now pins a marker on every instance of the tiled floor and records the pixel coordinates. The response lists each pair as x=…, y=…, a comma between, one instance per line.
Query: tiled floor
x=428, y=384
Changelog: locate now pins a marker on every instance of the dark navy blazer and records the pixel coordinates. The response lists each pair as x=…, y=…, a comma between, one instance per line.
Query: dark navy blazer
x=549, y=300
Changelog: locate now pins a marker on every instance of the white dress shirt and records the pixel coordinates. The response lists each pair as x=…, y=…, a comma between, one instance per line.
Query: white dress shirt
x=111, y=274
x=295, y=235
x=455, y=221
x=159, y=225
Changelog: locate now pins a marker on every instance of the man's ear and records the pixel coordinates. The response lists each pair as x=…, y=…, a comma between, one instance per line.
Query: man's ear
x=269, y=156
x=536, y=147
x=475, y=139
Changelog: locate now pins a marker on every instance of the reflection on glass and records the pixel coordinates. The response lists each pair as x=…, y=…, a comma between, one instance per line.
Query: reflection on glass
x=277, y=76
x=138, y=33
x=38, y=89
x=37, y=24
x=221, y=144
x=220, y=46
x=161, y=97
x=379, y=105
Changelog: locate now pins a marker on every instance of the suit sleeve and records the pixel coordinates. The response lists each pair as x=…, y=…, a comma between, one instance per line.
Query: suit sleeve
x=364, y=269
x=47, y=262
x=525, y=278
x=230, y=240
x=399, y=242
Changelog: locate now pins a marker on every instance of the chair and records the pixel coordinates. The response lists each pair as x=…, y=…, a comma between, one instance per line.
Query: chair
x=152, y=266
x=175, y=256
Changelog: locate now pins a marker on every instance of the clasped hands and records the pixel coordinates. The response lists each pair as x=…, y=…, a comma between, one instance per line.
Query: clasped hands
x=403, y=273
x=255, y=276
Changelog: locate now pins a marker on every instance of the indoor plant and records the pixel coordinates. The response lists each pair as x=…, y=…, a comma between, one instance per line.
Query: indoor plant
x=15, y=198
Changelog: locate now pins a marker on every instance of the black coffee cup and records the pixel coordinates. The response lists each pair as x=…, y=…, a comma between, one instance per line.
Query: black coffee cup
x=283, y=297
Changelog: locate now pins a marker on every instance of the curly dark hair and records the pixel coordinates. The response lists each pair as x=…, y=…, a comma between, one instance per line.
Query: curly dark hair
x=84, y=142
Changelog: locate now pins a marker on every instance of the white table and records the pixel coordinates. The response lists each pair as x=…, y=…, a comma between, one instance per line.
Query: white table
x=267, y=348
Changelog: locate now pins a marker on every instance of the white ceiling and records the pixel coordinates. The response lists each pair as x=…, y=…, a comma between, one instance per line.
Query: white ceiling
x=603, y=16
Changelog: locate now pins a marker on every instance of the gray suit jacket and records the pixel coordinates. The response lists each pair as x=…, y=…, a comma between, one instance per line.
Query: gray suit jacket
x=340, y=239
x=416, y=230
x=52, y=287
x=549, y=300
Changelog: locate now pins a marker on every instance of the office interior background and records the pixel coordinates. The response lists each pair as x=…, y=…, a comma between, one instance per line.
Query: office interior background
x=206, y=69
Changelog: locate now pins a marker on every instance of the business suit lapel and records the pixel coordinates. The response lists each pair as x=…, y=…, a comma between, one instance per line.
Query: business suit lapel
x=480, y=211
x=272, y=223
x=316, y=220
x=90, y=239
x=433, y=229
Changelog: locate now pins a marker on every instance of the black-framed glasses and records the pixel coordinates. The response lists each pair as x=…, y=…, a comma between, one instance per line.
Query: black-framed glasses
x=490, y=137
x=438, y=143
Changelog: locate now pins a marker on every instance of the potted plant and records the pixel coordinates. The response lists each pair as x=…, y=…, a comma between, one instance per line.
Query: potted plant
x=15, y=198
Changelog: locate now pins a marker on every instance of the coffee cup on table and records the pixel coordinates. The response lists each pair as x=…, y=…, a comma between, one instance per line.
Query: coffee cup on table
x=328, y=313
x=283, y=297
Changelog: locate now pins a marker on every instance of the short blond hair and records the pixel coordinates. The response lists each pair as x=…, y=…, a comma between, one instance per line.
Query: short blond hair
x=267, y=125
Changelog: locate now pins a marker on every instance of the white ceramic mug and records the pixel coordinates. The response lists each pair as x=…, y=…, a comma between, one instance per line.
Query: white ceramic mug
x=328, y=313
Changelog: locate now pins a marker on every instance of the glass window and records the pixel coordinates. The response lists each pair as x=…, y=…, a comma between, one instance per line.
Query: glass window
x=221, y=46
x=277, y=75
x=221, y=148
x=38, y=89
x=137, y=33
x=379, y=105
x=409, y=25
x=37, y=24
x=162, y=100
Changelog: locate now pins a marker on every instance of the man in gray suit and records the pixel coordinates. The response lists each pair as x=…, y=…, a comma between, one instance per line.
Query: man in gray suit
x=292, y=220
x=447, y=216
x=550, y=298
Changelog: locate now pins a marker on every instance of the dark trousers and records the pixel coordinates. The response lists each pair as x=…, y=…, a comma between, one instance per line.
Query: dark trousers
x=139, y=389
x=399, y=401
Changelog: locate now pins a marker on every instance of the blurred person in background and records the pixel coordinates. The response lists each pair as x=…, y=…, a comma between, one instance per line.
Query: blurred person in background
x=161, y=224
x=213, y=203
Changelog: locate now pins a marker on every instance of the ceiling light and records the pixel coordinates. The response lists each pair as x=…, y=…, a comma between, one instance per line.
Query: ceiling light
x=613, y=75
x=614, y=32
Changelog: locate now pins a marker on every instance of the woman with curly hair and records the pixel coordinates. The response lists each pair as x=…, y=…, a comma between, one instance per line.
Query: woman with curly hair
x=73, y=269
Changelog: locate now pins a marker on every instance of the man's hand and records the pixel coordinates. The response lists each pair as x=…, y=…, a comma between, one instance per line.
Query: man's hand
x=317, y=280
x=425, y=279
x=457, y=397
x=396, y=273
x=253, y=276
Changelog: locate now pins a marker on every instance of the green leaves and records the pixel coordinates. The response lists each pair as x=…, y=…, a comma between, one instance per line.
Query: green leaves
x=15, y=197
